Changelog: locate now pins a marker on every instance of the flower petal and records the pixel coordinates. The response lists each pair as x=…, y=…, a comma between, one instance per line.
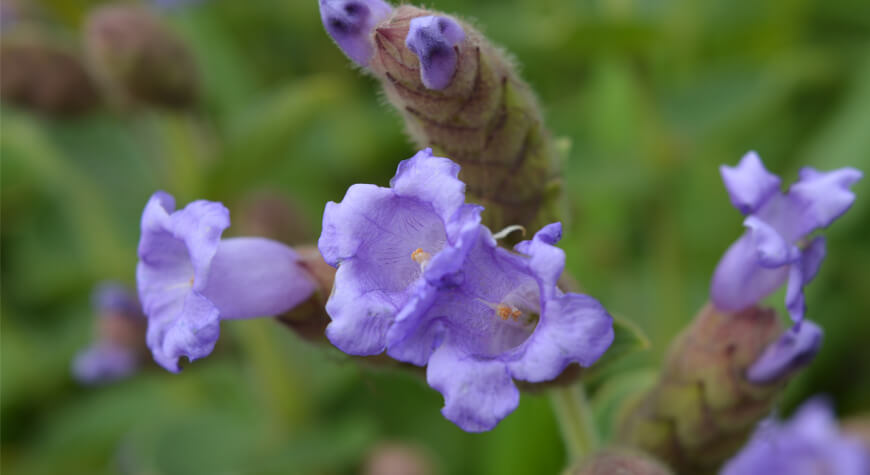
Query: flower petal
x=188, y=329
x=256, y=277
x=821, y=197
x=773, y=251
x=431, y=179
x=351, y=23
x=575, y=328
x=433, y=39
x=749, y=184
x=793, y=350
x=740, y=281
x=478, y=393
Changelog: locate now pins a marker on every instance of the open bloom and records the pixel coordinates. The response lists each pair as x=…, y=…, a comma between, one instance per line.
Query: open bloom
x=420, y=277
x=116, y=352
x=773, y=250
x=189, y=278
x=505, y=319
x=809, y=444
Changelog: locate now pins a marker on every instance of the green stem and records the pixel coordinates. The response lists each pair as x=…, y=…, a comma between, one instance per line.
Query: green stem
x=575, y=420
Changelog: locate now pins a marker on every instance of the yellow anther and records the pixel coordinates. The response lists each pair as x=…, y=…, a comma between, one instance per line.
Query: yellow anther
x=503, y=311
x=516, y=314
x=420, y=256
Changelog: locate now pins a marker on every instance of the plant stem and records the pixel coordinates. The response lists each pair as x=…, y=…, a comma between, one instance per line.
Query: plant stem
x=575, y=420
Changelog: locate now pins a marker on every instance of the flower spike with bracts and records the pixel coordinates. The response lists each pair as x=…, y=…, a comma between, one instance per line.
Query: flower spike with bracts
x=189, y=278
x=420, y=277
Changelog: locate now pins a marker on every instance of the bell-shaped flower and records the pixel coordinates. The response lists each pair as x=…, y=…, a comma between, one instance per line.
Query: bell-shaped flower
x=189, y=278
x=388, y=243
x=808, y=444
x=774, y=249
x=420, y=277
x=504, y=320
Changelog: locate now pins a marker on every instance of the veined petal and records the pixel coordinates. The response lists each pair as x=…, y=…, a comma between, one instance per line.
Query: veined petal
x=575, y=328
x=189, y=328
x=431, y=179
x=478, y=393
x=749, y=184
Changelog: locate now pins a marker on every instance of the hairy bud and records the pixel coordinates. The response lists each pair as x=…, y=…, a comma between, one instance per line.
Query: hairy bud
x=460, y=95
x=139, y=59
x=703, y=408
x=619, y=462
x=40, y=76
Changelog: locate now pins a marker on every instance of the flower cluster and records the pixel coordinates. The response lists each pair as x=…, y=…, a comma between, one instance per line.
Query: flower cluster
x=189, y=278
x=809, y=444
x=420, y=277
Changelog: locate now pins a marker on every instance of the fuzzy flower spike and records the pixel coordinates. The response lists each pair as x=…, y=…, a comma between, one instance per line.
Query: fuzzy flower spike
x=420, y=277
x=189, y=278
x=774, y=249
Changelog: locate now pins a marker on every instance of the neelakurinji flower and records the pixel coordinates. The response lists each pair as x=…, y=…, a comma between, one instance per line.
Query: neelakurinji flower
x=773, y=249
x=793, y=350
x=117, y=351
x=420, y=277
x=351, y=23
x=189, y=278
x=808, y=444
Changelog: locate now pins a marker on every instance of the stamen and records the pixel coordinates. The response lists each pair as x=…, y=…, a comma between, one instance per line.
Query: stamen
x=421, y=257
x=505, y=312
x=508, y=230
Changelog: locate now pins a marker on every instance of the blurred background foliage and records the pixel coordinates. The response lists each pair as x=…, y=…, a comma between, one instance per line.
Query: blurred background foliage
x=653, y=95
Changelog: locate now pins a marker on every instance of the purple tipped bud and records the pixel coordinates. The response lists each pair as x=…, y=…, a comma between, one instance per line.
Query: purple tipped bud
x=793, y=350
x=351, y=23
x=433, y=39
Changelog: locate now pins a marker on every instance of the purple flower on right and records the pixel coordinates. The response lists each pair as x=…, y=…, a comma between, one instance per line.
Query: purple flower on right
x=809, y=444
x=775, y=248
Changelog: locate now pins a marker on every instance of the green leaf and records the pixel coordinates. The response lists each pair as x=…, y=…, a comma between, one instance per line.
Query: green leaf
x=628, y=339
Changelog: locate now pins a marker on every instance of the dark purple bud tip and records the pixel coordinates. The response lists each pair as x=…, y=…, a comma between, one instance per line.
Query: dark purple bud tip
x=793, y=350
x=351, y=23
x=432, y=39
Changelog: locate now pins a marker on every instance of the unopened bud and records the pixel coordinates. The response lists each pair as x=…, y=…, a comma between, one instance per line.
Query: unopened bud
x=793, y=350
x=351, y=24
x=139, y=59
x=461, y=96
x=620, y=462
x=40, y=76
x=703, y=408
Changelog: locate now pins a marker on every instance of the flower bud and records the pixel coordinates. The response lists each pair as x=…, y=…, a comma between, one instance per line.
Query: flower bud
x=619, y=462
x=139, y=59
x=703, y=408
x=40, y=76
x=461, y=96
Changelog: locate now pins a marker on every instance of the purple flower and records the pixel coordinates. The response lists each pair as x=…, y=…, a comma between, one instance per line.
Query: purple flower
x=388, y=243
x=809, y=444
x=420, y=277
x=189, y=278
x=351, y=23
x=773, y=250
x=116, y=353
x=433, y=39
x=505, y=320
x=793, y=350
x=104, y=363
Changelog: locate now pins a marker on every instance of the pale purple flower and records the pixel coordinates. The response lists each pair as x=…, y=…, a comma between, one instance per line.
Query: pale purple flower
x=351, y=23
x=420, y=277
x=793, y=350
x=809, y=444
x=433, y=40
x=388, y=242
x=189, y=278
x=774, y=249
x=115, y=354
x=505, y=320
